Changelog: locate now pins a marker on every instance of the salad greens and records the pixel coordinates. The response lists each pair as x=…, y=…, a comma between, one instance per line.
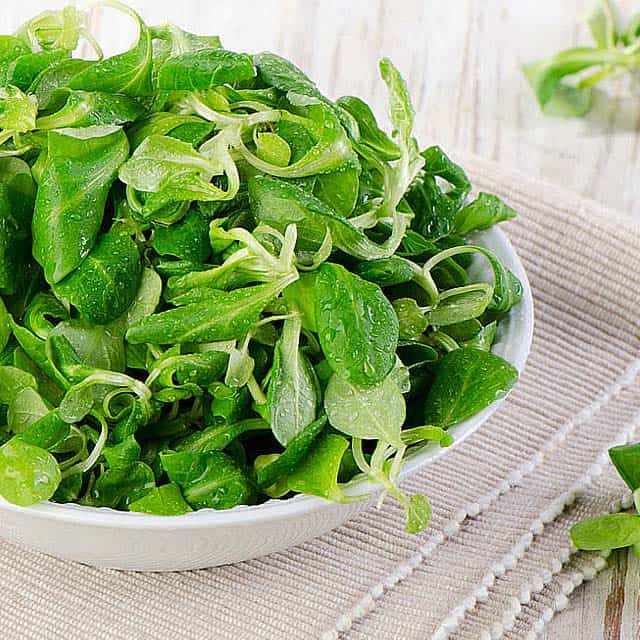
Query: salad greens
x=615, y=530
x=218, y=286
x=616, y=51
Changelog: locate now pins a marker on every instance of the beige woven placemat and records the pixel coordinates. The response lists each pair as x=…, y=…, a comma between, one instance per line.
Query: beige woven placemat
x=496, y=562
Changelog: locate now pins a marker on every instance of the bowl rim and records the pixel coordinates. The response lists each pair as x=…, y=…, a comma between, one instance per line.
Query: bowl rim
x=291, y=508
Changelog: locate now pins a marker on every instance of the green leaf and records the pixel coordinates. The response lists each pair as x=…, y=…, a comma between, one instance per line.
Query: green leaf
x=17, y=110
x=426, y=433
x=612, y=531
x=128, y=73
x=146, y=300
x=317, y=474
x=418, y=514
x=123, y=453
x=218, y=437
x=485, y=211
x=187, y=239
x=208, y=480
x=332, y=150
x=69, y=489
x=435, y=208
x=166, y=500
x=357, y=326
x=26, y=408
x=228, y=405
x=339, y=188
x=386, y=272
x=120, y=486
x=86, y=109
x=507, y=289
x=483, y=339
x=46, y=86
x=96, y=346
x=557, y=97
x=284, y=75
x=22, y=71
x=17, y=197
x=41, y=311
x=370, y=134
x=278, y=204
x=13, y=381
x=171, y=170
x=461, y=304
x=53, y=29
x=292, y=389
x=5, y=325
x=374, y=412
x=106, y=283
x=36, y=350
x=294, y=453
x=80, y=168
x=626, y=460
x=411, y=319
x=399, y=177
x=166, y=124
x=271, y=148
x=11, y=48
x=204, y=69
x=28, y=474
x=47, y=432
x=467, y=381
x=170, y=40
x=226, y=316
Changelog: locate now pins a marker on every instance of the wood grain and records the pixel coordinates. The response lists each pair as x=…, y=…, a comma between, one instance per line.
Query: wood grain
x=461, y=59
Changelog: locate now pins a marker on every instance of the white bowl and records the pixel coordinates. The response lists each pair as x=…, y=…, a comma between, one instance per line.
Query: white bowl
x=206, y=538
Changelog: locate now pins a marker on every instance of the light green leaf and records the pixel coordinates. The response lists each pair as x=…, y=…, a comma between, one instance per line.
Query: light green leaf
x=28, y=474
x=374, y=412
x=292, y=390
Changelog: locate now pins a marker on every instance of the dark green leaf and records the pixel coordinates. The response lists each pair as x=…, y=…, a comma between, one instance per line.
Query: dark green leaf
x=17, y=198
x=485, y=211
x=80, y=168
x=106, y=283
x=120, y=486
x=370, y=134
x=218, y=437
x=294, y=453
x=228, y=316
x=166, y=500
x=204, y=69
x=187, y=239
x=467, y=381
x=208, y=480
x=357, y=326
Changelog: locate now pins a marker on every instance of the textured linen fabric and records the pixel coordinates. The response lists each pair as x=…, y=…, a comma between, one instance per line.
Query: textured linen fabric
x=496, y=561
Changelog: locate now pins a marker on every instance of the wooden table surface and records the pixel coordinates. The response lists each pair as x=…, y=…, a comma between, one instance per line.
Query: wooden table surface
x=461, y=59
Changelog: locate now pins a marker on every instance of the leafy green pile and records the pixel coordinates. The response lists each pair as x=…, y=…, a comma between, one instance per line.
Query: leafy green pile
x=616, y=52
x=219, y=286
x=615, y=530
